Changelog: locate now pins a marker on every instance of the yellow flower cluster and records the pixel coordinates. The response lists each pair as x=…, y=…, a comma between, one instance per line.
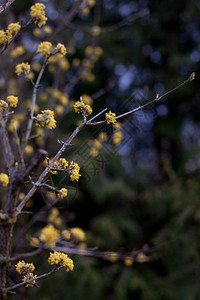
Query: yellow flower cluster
x=22, y=267
x=54, y=217
x=46, y=117
x=18, y=51
x=56, y=258
x=2, y=37
x=97, y=144
x=74, y=170
x=78, y=234
x=29, y=279
x=112, y=257
x=87, y=5
x=6, y=36
x=61, y=49
x=12, y=100
x=59, y=165
x=3, y=106
x=23, y=69
x=38, y=12
x=110, y=118
x=87, y=99
x=49, y=235
x=81, y=107
x=66, y=234
x=62, y=193
x=141, y=258
x=128, y=261
x=44, y=48
x=13, y=28
x=118, y=135
x=4, y=179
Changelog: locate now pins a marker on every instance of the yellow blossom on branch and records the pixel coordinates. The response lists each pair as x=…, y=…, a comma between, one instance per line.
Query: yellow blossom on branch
x=47, y=29
x=38, y=12
x=2, y=36
x=49, y=235
x=81, y=107
x=12, y=100
x=61, y=49
x=4, y=179
x=44, y=48
x=46, y=117
x=13, y=28
x=110, y=118
x=128, y=261
x=22, y=267
x=78, y=234
x=59, y=165
x=18, y=51
x=29, y=279
x=23, y=69
x=3, y=106
x=56, y=258
x=74, y=170
x=62, y=193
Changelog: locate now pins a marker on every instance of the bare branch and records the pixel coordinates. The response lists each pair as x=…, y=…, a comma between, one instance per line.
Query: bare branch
x=4, y=6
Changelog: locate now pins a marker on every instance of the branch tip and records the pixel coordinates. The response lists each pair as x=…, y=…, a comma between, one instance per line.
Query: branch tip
x=192, y=76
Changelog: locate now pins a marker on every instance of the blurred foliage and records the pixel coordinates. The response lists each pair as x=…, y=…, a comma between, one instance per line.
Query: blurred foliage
x=145, y=191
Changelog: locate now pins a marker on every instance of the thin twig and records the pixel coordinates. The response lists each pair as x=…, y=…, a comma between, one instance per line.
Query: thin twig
x=158, y=98
x=55, y=270
x=5, y=5
x=34, y=95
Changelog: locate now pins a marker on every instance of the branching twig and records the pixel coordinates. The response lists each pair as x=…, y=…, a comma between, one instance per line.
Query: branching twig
x=76, y=131
x=55, y=270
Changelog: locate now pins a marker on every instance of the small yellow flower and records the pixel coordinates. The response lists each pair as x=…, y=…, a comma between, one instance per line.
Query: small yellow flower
x=61, y=49
x=96, y=30
x=74, y=170
x=62, y=259
x=34, y=242
x=78, y=234
x=47, y=29
x=18, y=51
x=87, y=99
x=12, y=100
x=49, y=235
x=23, y=69
x=62, y=193
x=44, y=48
x=3, y=106
x=2, y=37
x=117, y=138
x=112, y=257
x=37, y=32
x=29, y=279
x=103, y=136
x=29, y=150
x=4, y=179
x=66, y=234
x=110, y=118
x=13, y=28
x=22, y=267
x=38, y=12
x=46, y=117
x=79, y=107
x=141, y=258
x=128, y=261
